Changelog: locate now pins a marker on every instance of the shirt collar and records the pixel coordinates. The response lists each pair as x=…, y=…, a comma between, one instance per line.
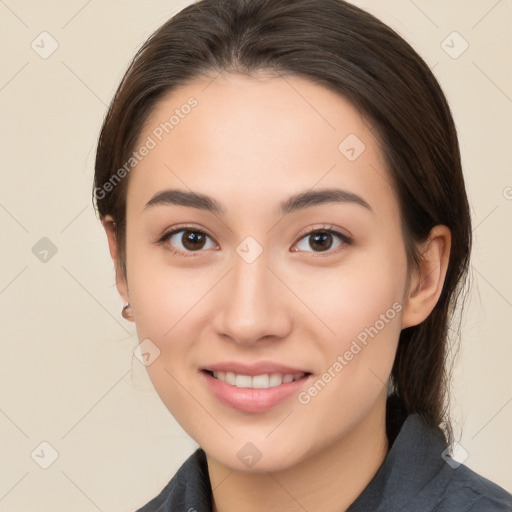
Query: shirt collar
x=413, y=460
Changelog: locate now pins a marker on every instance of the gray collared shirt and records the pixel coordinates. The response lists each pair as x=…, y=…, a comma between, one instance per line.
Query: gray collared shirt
x=414, y=477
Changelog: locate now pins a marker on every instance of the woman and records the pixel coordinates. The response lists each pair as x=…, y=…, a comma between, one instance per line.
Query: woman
x=281, y=187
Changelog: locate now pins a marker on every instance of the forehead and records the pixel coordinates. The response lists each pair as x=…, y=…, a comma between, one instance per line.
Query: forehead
x=257, y=140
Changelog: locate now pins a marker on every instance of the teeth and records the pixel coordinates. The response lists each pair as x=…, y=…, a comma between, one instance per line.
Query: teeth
x=243, y=381
x=257, y=381
x=260, y=381
x=275, y=379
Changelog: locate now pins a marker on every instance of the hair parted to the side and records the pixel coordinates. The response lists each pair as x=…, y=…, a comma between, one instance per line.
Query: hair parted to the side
x=349, y=51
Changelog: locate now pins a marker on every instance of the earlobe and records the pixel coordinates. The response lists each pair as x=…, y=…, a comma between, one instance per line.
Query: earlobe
x=427, y=282
x=122, y=286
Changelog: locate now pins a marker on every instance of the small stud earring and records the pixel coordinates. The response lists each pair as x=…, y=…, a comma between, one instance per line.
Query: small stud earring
x=126, y=311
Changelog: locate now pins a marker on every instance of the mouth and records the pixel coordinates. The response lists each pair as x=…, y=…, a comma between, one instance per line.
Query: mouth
x=254, y=389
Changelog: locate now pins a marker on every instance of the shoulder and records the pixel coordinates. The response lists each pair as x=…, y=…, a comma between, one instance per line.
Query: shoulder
x=467, y=491
x=189, y=489
x=450, y=486
x=417, y=476
x=447, y=485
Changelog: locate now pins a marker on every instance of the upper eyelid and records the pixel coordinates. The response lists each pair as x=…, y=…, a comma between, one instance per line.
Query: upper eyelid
x=325, y=227
x=175, y=230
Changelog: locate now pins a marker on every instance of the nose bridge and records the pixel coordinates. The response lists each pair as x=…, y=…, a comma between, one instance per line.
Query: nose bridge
x=253, y=306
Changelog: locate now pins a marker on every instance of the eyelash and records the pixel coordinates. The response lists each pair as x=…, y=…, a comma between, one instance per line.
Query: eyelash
x=323, y=229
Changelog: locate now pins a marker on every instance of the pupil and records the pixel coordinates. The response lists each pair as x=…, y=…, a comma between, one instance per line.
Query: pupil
x=193, y=240
x=320, y=239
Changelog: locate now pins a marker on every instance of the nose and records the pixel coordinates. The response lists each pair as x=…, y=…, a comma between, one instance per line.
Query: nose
x=253, y=304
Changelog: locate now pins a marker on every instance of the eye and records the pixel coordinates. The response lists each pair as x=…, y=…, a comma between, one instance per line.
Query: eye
x=323, y=239
x=186, y=240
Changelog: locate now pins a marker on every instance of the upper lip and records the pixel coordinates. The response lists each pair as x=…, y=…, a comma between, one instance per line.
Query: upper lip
x=259, y=368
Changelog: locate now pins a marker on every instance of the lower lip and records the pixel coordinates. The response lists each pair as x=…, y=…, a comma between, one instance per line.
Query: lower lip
x=253, y=399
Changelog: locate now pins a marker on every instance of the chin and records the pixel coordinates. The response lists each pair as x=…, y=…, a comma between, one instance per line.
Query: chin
x=257, y=456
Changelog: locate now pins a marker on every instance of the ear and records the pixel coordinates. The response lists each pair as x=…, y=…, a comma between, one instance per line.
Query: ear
x=426, y=284
x=121, y=283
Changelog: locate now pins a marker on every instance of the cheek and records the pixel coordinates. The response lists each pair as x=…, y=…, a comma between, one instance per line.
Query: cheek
x=353, y=299
x=165, y=303
x=362, y=309
x=162, y=295
x=361, y=305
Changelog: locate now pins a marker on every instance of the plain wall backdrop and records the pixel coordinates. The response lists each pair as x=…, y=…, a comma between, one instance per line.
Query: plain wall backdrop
x=68, y=376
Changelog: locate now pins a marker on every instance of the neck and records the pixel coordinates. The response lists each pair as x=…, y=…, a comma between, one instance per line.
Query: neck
x=330, y=480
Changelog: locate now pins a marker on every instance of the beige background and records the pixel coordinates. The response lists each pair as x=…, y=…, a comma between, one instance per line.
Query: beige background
x=68, y=376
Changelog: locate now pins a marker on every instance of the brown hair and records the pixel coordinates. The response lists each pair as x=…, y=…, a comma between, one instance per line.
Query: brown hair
x=349, y=51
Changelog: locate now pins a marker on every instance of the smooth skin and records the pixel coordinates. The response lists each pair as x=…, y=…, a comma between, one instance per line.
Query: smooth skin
x=250, y=143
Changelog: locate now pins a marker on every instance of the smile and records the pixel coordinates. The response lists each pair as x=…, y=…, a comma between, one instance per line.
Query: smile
x=256, y=393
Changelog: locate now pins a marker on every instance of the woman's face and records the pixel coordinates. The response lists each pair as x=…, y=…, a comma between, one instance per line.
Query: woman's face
x=263, y=286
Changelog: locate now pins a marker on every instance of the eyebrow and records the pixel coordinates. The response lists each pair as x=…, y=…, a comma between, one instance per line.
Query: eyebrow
x=293, y=203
